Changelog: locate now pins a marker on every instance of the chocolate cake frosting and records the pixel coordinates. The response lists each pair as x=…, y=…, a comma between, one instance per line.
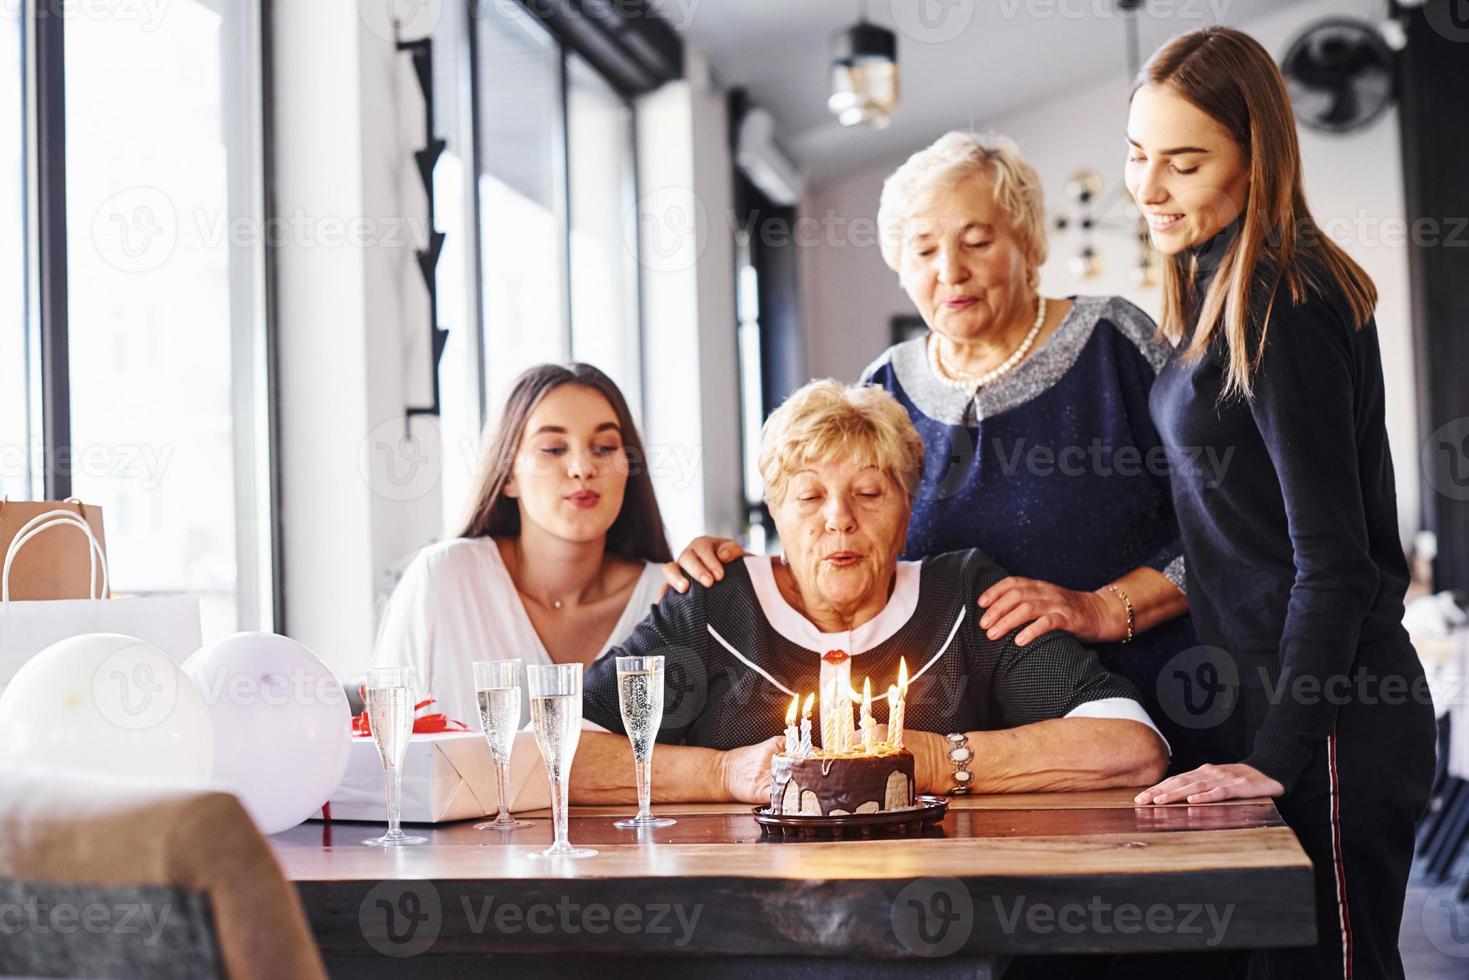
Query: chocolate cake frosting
x=836, y=785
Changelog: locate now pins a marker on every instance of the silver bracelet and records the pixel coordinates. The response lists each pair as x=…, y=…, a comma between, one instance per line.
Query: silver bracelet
x=961, y=755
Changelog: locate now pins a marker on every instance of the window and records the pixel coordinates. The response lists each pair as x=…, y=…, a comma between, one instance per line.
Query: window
x=521, y=186
x=168, y=429
x=604, y=285
x=556, y=186
x=15, y=466
x=752, y=392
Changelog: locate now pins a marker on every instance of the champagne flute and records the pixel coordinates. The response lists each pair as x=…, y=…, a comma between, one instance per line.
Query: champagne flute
x=390, y=696
x=640, y=698
x=555, y=711
x=497, y=688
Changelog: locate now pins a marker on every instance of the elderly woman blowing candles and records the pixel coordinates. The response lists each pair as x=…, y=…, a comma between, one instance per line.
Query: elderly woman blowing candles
x=840, y=466
x=1034, y=415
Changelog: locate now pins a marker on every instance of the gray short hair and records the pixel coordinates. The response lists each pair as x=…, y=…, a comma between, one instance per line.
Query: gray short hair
x=956, y=155
x=826, y=420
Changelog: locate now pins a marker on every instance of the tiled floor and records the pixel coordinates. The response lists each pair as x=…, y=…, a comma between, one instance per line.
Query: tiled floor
x=1435, y=935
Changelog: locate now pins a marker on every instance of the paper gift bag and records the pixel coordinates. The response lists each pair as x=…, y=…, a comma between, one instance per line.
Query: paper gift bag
x=170, y=623
x=58, y=565
x=446, y=776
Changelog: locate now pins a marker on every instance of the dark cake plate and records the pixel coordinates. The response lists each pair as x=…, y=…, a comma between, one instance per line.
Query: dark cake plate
x=912, y=822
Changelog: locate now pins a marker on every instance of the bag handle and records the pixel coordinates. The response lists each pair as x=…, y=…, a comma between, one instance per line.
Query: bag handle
x=42, y=522
x=59, y=516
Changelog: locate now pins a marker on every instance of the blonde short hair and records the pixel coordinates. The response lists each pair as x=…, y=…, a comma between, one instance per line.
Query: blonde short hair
x=955, y=156
x=827, y=420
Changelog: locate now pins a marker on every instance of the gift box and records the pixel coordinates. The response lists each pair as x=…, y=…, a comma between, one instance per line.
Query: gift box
x=447, y=776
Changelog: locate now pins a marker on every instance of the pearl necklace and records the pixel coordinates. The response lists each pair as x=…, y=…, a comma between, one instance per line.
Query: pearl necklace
x=971, y=383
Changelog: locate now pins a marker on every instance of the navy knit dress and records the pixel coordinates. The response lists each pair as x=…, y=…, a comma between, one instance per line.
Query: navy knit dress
x=1056, y=472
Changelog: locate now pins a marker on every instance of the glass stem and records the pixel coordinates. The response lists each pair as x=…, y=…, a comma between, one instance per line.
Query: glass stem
x=502, y=776
x=645, y=786
x=394, y=779
x=558, y=813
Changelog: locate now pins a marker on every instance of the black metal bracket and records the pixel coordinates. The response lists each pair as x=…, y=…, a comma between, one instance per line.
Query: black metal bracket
x=421, y=51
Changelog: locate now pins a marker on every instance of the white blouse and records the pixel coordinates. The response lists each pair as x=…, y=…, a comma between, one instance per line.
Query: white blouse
x=456, y=604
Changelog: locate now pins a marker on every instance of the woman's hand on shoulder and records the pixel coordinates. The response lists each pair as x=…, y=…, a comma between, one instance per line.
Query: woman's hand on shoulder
x=1040, y=607
x=704, y=559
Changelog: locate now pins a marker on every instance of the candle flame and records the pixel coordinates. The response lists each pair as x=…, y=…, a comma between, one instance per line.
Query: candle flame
x=867, y=691
x=892, y=698
x=902, y=677
x=806, y=711
x=791, y=714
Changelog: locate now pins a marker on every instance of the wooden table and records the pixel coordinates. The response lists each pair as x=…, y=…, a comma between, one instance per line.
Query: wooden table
x=1003, y=875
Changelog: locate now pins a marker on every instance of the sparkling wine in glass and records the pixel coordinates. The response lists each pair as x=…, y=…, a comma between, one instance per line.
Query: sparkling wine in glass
x=555, y=712
x=497, y=688
x=390, y=695
x=640, y=698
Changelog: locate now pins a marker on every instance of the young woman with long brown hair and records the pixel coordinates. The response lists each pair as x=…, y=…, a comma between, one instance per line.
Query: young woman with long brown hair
x=560, y=554
x=1296, y=574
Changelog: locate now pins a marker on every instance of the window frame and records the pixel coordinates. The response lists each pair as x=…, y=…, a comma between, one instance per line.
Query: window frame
x=255, y=413
x=567, y=48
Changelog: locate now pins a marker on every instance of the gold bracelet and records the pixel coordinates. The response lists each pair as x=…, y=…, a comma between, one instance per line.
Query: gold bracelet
x=1127, y=604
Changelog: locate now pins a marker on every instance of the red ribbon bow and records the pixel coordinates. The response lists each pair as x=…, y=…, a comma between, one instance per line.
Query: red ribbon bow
x=835, y=657
x=422, y=724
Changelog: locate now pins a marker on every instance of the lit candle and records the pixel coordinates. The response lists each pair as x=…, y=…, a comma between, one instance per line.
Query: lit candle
x=805, y=749
x=793, y=737
x=829, y=700
x=849, y=702
x=839, y=701
x=895, y=721
x=892, y=714
x=869, y=727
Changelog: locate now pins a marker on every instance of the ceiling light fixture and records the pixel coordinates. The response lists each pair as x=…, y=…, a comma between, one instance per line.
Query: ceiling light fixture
x=864, y=75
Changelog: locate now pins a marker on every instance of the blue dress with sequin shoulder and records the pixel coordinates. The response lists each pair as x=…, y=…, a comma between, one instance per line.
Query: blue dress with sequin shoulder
x=1056, y=472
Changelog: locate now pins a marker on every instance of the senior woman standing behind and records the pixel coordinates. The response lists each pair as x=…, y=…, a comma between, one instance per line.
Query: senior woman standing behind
x=1034, y=415
x=840, y=466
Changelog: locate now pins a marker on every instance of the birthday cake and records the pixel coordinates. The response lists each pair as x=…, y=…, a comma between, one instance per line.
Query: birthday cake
x=838, y=784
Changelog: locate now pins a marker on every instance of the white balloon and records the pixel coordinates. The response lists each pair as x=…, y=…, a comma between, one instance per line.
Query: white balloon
x=104, y=702
x=282, y=728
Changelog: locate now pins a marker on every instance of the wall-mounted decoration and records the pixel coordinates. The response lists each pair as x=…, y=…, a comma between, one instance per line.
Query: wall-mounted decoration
x=426, y=157
x=1094, y=208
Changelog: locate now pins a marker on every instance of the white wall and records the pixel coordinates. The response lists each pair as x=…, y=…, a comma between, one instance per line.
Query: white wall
x=1354, y=185
x=354, y=499
x=691, y=385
